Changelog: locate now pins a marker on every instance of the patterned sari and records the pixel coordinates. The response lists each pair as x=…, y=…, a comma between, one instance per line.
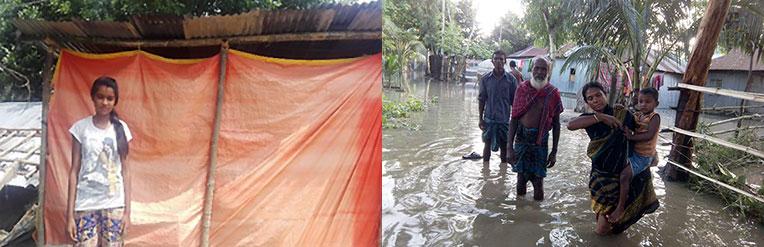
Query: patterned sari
x=609, y=150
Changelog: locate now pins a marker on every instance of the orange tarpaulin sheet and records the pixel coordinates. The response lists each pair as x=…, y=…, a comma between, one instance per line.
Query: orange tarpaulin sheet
x=299, y=154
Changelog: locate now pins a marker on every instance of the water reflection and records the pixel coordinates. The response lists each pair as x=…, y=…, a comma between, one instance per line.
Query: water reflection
x=431, y=197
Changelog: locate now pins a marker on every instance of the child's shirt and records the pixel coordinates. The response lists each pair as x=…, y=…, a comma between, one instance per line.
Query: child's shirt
x=645, y=148
x=100, y=182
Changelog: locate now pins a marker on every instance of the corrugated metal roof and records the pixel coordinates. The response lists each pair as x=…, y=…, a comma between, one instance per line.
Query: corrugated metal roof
x=735, y=60
x=667, y=64
x=323, y=18
x=529, y=52
x=563, y=51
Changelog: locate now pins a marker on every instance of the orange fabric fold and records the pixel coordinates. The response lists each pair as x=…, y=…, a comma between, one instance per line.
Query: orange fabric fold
x=299, y=154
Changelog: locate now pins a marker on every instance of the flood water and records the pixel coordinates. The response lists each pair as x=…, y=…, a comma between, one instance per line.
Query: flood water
x=432, y=197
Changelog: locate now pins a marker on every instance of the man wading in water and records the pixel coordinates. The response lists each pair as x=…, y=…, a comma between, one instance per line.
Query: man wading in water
x=497, y=90
x=537, y=108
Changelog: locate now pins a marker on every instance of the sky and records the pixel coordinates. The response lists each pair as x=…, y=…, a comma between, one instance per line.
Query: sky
x=489, y=12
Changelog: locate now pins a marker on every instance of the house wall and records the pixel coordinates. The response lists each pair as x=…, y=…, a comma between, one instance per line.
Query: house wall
x=561, y=79
x=733, y=80
x=758, y=87
x=666, y=97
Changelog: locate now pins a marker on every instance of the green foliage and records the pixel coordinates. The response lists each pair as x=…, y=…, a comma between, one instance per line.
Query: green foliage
x=395, y=113
x=479, y=49
x=624, y=32
x=465, y=18
x=21, y=63
x=543, y=17
x=425, y=19
x=717, y=162
x=510, y=35
x=399, y=47
x=452, y=41
x=744, y=28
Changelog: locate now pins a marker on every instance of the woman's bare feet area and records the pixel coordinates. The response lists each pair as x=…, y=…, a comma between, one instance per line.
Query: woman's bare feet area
x=615, y=216
x=603, y=226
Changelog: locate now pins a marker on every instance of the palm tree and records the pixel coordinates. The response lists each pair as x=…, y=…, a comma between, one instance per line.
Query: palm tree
x=622, y=33
x=400, y=47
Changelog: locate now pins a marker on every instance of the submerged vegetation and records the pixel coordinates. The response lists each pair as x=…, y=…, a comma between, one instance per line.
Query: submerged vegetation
x=395, y=114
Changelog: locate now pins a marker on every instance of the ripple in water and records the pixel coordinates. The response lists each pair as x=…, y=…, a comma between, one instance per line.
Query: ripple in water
x=431, y=197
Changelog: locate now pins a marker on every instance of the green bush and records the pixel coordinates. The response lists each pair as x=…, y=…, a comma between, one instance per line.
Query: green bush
x=717, y=161
x=395, y=113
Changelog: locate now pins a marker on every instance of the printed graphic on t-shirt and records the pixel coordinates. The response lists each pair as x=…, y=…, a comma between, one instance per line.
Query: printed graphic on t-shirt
x=102, y=172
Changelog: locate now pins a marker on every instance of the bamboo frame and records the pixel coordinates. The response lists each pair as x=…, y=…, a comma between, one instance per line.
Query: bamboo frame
x=14, y=146
x=730, y=187
x=725, y=92
x=748, y=150
x=8, y=135
x=207, y=215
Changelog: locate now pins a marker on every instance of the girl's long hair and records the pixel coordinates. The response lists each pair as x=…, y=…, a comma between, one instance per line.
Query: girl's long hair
x=104, y=81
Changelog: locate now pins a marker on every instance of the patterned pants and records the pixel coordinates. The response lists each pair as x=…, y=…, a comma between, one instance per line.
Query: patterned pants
x=102, y=227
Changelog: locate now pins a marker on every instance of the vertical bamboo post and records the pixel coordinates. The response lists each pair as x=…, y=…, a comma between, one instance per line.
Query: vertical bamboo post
x=46, y=78
x=697, y=71
x=207, y=216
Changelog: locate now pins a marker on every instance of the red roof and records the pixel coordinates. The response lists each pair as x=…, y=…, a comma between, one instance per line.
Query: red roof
x=529, y=52
x=735, y=60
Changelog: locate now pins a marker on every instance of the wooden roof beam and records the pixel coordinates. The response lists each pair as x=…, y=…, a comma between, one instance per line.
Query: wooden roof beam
x=269, y=38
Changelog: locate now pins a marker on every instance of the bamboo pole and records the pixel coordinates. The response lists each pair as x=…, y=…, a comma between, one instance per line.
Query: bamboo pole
x=730, y=187
x=8, y=137
x=31, y=152
x=697, y=71
x=719, y=108
x=742, y=148
x=725, y=92
x=738, y=129
x=207, y=216
x=47, y=75
x=735, y=119
x=268, y=38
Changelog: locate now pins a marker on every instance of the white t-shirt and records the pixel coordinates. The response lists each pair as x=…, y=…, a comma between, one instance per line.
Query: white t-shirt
x=100, y=183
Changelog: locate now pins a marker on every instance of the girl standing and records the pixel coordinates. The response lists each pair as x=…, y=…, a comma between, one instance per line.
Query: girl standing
x=99, y=204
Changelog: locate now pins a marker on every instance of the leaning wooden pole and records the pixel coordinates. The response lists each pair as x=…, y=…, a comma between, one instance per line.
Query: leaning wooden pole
x=207, y=216
x=47, y=74
x=696, y=73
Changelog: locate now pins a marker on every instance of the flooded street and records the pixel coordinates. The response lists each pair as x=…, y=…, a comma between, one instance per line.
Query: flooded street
x=432, y=197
